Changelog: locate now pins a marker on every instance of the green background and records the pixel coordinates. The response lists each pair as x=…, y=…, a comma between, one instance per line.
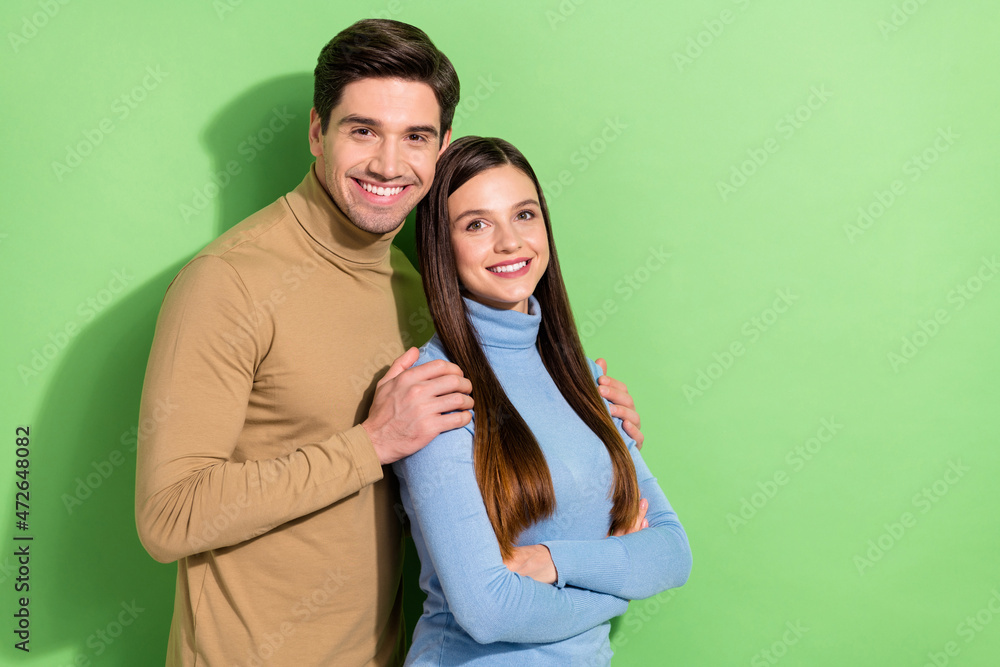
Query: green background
x=657, y=127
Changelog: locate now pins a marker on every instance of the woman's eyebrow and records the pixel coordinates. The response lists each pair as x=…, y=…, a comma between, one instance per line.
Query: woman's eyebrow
x=483, y=211
x=473, y=211
x=526, y=202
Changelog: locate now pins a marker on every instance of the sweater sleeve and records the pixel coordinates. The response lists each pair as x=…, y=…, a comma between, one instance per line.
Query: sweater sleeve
x=635, y=566
x=191, y=495
x=490, y=602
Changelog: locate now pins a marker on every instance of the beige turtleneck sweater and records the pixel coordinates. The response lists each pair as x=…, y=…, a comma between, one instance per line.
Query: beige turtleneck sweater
x=253, y=470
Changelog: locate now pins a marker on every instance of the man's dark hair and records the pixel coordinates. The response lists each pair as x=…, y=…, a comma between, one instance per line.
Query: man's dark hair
x=381, y=48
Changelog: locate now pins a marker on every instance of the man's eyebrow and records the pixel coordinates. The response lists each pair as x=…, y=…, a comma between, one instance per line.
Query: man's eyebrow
x=354, y=119
x=483, y=211
x=423, y=129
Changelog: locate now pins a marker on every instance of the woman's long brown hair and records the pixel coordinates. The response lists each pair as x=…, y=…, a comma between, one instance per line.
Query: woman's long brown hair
x=511, y=471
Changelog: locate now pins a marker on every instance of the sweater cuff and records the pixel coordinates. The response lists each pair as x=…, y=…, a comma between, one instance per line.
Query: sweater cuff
x=362, y=453
x=597, y=565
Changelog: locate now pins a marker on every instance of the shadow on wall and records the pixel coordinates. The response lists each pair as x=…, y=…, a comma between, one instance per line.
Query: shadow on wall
x=259, y=145
x=109, y=602
x=104, y=596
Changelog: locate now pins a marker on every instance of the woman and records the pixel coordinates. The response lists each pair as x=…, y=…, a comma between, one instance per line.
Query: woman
x=530, y=523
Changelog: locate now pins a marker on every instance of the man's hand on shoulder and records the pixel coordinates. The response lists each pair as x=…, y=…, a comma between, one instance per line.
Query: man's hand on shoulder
x=413, y=405
x=622, y=404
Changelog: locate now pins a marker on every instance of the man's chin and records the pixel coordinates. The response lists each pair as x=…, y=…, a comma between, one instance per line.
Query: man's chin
x=377, y=223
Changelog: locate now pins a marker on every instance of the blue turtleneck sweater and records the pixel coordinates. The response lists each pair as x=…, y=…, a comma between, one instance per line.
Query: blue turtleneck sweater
x=477, y=611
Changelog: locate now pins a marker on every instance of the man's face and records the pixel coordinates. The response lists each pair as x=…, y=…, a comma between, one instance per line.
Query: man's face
x=378, y=154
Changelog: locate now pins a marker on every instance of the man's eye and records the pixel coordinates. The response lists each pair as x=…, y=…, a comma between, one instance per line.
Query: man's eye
x=417, y=138
x=363, y=131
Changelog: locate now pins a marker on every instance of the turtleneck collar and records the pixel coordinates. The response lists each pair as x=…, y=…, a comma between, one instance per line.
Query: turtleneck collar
x=320, y=217
x=505, y=328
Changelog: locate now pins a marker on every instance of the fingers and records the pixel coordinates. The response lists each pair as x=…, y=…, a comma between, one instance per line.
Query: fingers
x=625, y=413
x=633, y=432
x=622, y=406
x=603, y=364
x=435, y=378
x=640, y=519
x=615, y=391
x=608, y=381
x=450, y=403
x=442, y=385
x=448, y=421
x=639, y=523
x=404, y=361
x=435, y=369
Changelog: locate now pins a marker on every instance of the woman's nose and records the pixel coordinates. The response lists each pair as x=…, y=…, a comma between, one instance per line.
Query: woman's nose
x=507, y=238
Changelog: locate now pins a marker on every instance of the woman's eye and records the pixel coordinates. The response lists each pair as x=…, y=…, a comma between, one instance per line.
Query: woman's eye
x=525, y=215
x=474, y=225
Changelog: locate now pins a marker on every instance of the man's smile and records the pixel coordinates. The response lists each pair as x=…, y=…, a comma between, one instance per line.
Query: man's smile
x=381, y=194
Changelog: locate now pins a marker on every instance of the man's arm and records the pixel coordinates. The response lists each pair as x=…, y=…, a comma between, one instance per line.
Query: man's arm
x=191, y=496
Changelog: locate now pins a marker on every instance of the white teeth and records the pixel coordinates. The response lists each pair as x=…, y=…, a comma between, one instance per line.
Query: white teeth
x=509, y=268
x=380, y=191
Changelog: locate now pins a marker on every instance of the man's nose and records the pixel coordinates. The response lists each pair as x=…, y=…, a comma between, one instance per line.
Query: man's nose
x=387, y=161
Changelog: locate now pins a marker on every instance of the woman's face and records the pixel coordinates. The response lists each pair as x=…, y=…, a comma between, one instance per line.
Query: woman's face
x=498, y=235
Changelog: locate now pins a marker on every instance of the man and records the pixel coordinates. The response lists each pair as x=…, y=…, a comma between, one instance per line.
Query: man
x=265, y=482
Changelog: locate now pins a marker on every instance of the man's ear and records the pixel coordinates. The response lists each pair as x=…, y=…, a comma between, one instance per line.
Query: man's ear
x=445, y=141
x=315, y=133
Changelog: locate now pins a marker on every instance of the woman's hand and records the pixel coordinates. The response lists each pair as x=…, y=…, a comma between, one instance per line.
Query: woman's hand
x=622, y=405
x=640, y=521
x=533, y=561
